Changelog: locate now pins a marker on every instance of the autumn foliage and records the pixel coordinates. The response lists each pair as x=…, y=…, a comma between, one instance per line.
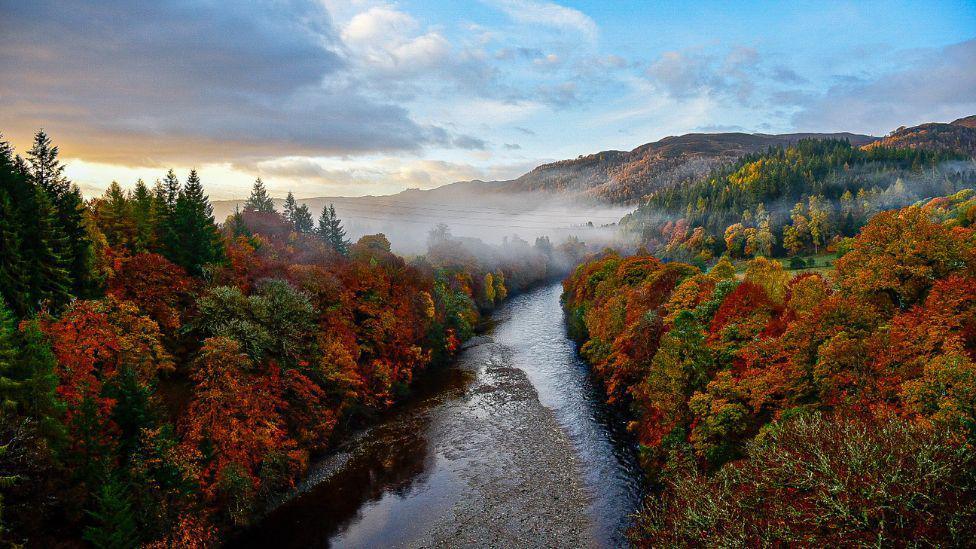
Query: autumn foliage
x=750, y=397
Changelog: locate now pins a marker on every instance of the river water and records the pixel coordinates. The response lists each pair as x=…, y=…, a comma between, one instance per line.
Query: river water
x=512, y=446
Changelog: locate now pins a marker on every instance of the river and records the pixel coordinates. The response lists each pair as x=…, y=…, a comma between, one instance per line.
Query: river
x=512, y=446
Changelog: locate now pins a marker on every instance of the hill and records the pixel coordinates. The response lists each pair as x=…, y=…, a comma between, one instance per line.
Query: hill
x=957, y=136
x=620, y=177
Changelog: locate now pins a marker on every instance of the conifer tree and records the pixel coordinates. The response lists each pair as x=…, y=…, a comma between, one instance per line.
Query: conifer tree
x=36, y=393
x=259, y=201
x=330, y=230
x=115, y=525
x=165, y=196
x=290, y=206
x=9, y=386
x=75, y=248
x=143, y=215
x=199, y=238
x=304, y=224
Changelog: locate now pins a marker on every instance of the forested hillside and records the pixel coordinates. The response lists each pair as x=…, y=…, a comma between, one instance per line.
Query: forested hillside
x=620, y=177
x=163, y=377
x=792, y=200
x=821, y=409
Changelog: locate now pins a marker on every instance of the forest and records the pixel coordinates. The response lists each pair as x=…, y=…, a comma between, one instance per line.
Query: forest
x=834, y=408
x=792, y=200
x=163, y=376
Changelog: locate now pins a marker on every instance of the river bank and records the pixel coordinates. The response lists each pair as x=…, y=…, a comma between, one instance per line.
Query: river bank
x=508, y=449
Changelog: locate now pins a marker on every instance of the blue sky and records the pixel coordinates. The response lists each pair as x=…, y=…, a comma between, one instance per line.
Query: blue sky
x=352, y=97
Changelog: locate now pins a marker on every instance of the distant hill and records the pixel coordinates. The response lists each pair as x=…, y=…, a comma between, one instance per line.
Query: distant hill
x=957, y=136
x=620, y=177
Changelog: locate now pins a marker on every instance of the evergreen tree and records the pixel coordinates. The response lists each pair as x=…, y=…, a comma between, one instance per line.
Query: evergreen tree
x=330, y=230
x=36, y=392
x=166, y=196
x=144, y=216
x=290, y=206
x=13, y=274
x=9, y=385
x=75, y=248
x=199, y=238
x=115, y=217
x=303, y=221
x=259, y=201
x=115, y=525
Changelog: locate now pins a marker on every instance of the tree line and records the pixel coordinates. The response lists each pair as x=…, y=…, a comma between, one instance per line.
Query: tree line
x=163, y=376
x=820, y=409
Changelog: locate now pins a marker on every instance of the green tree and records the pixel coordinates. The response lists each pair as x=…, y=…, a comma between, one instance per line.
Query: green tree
x=144, y=216
x=259, y=201
x=290, y=206
x=199, y=238
x=303, y=221
x=330, y=230
x=75, y=248
x=115, y=525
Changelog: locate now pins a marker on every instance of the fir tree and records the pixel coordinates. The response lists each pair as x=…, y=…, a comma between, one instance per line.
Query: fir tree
x=36, y=392
x=199, y=238
x=143, y=214
x=290, y=206
x=331, y=231
x=115, y=525
x=259, y=201
x=75, y=248
x=303, y=221
x=166, y=196
x=9, y=385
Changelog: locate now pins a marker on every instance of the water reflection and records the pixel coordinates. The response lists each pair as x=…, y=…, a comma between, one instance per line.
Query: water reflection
x=349, y=499
x=395, y=480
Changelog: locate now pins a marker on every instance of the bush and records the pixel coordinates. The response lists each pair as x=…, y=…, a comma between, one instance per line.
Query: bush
x=797, y=263
x=817, y=480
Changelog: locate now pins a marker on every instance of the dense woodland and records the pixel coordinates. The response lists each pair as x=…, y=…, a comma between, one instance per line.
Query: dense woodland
x=162, y=376
x=815, y=410
x=792, y=200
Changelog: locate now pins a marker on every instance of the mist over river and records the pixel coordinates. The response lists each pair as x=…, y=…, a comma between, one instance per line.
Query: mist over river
x=510, y=446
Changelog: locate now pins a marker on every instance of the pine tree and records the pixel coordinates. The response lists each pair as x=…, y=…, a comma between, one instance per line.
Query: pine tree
x=165, y=197
x=116, y=218
x=36, y=394
x=143, y=214
x=259, y=201
x=331, y=231
x=199, y=238
x=50, y=282
x=290, y=206
x=75, y=248
x=115, y=525
x=9, y=385
x=13, y=274
x=304, y=224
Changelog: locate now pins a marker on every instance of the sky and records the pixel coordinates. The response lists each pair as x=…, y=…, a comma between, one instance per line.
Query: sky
x=357, y=97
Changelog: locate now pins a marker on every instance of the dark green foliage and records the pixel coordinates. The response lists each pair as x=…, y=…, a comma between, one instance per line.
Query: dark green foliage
x=290, y=207
x=114, y=520
x=259, y=201
x=304, y=224
x=73, y=246
x=832, y=170
x=331, y=231
x=37, y=383
x=32, y=271
x=9, y=385
x=194, y=240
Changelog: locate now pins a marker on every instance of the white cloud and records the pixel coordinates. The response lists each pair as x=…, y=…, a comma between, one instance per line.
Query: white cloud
x=388, y=40
x=549, y=14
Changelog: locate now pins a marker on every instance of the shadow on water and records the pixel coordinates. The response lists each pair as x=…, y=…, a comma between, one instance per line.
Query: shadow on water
x=347, y=499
